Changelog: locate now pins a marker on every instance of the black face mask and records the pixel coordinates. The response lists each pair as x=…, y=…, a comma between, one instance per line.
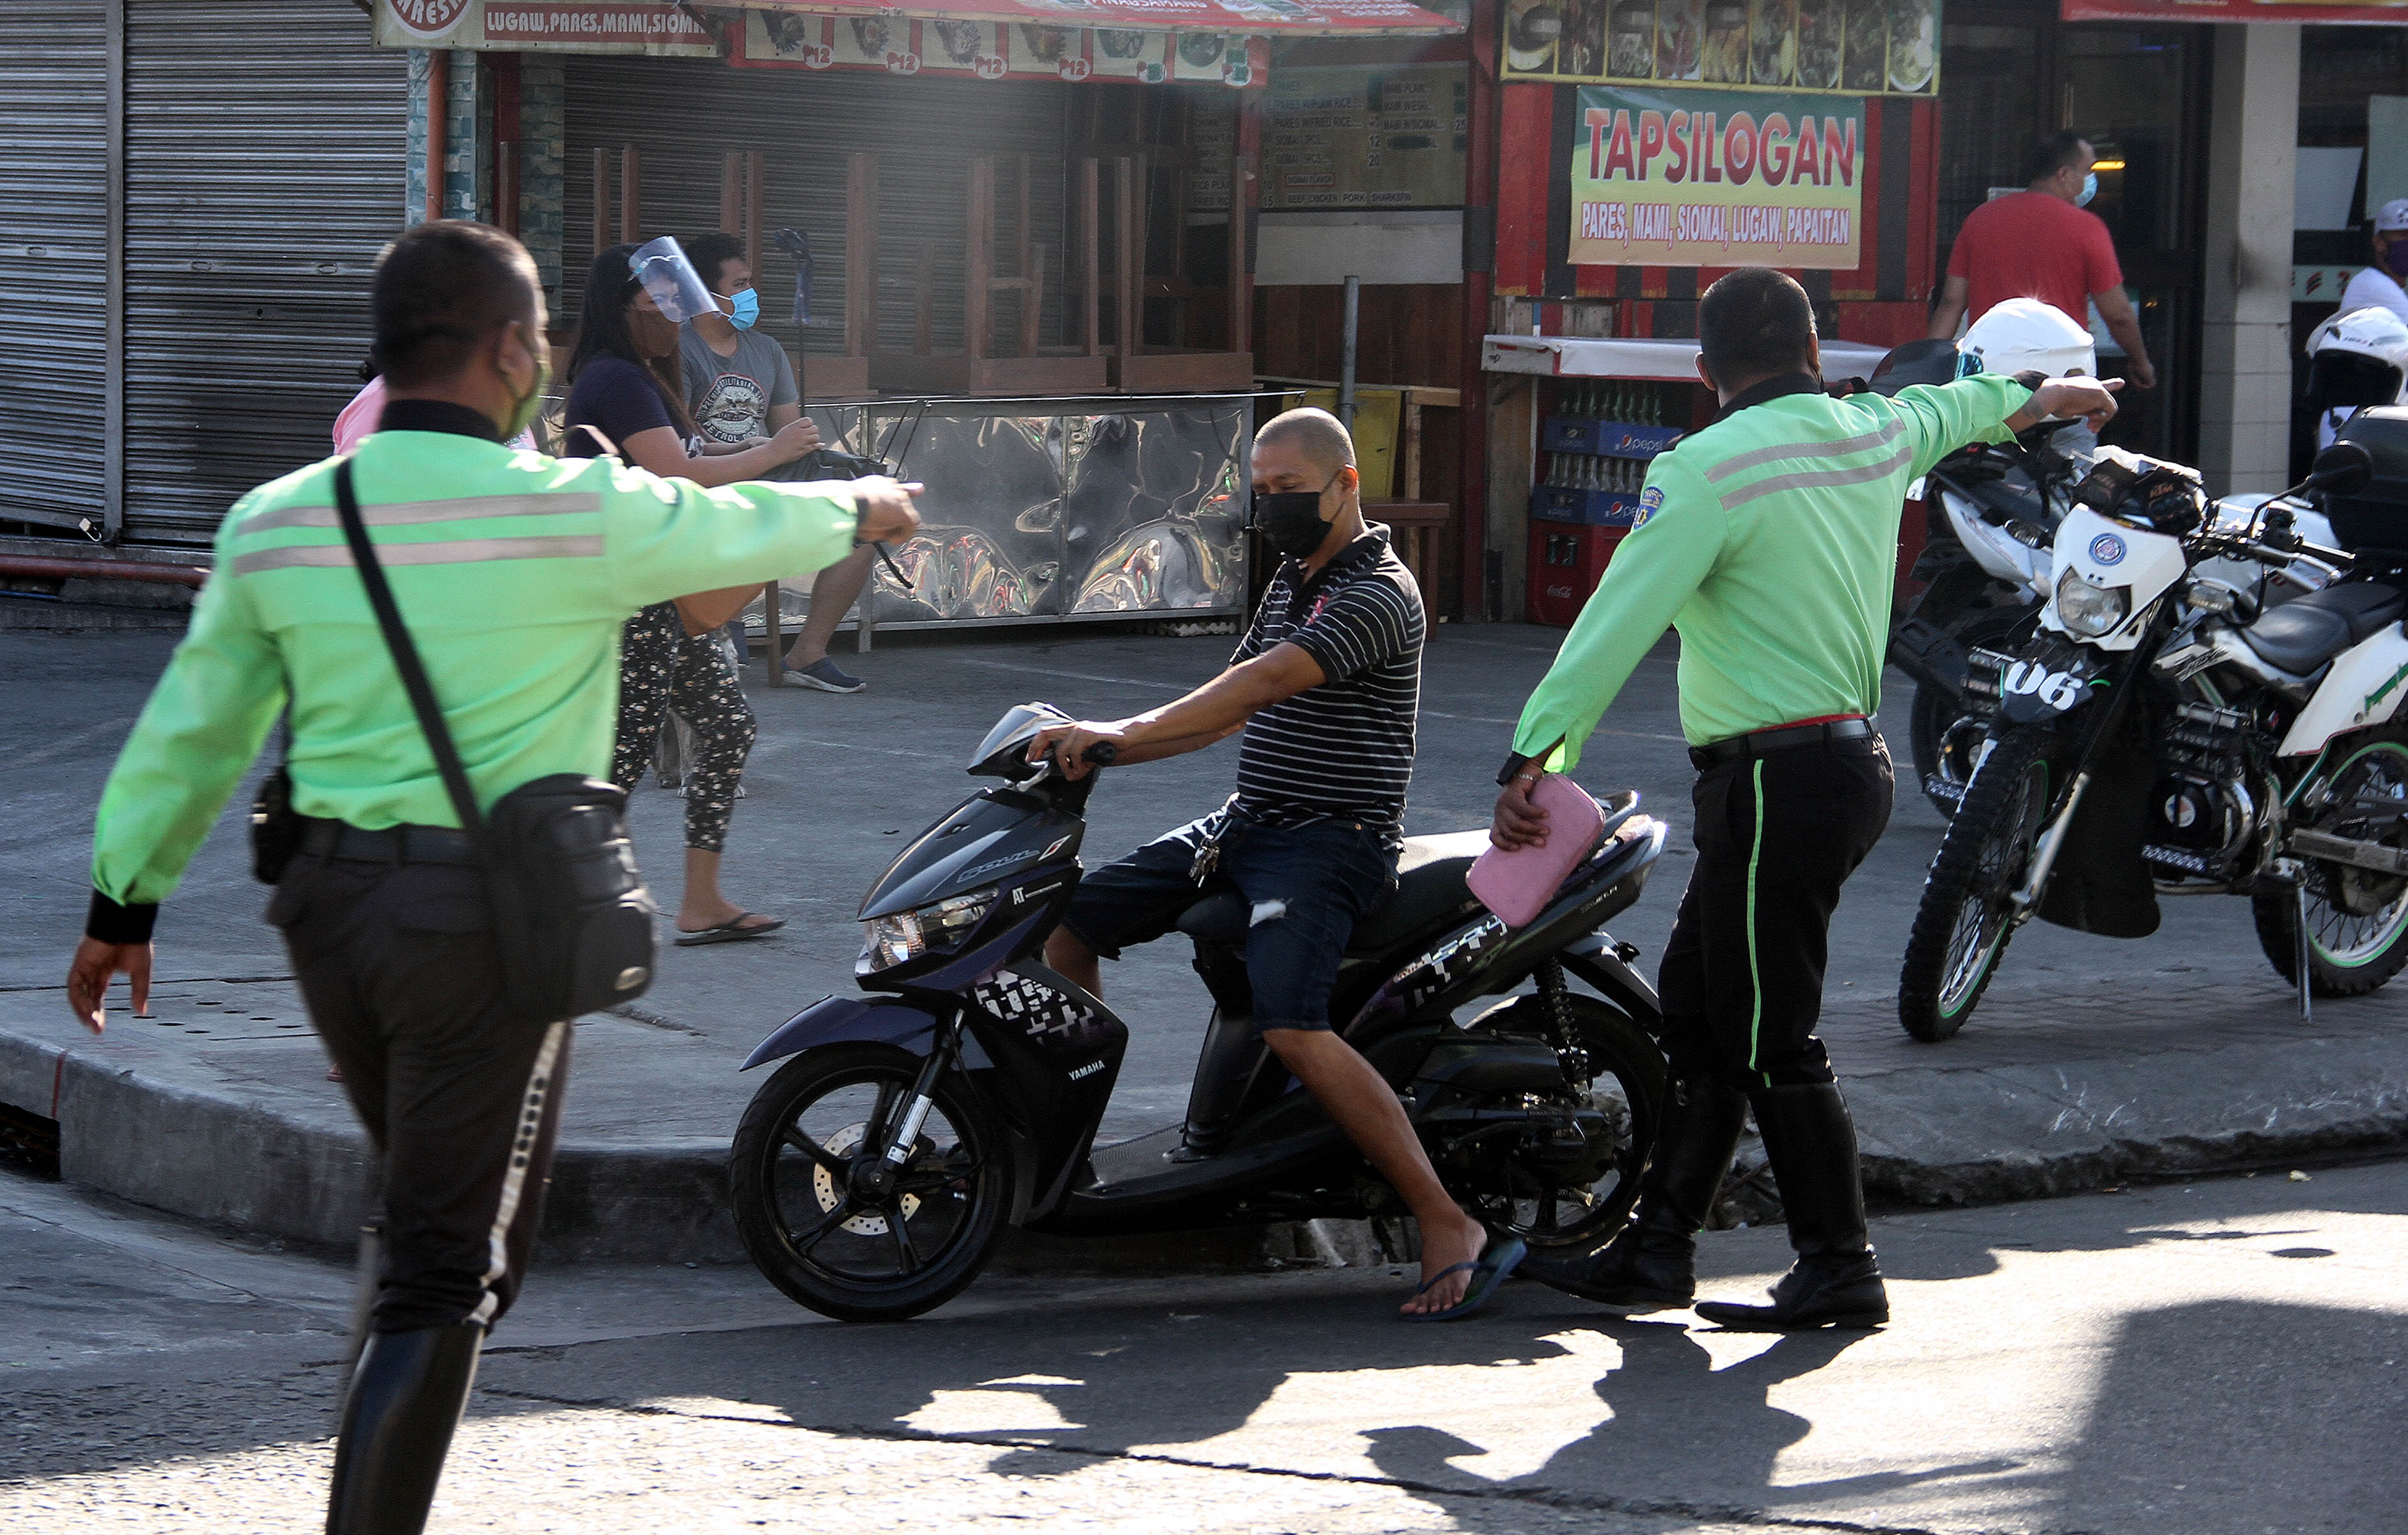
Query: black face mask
x=1292, y=520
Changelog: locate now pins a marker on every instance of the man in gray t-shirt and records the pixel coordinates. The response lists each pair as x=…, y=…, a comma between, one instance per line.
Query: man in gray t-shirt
x=737, y=395
x=740, y=385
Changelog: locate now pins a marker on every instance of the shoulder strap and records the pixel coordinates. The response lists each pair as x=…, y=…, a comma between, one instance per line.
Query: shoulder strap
x=405, y=657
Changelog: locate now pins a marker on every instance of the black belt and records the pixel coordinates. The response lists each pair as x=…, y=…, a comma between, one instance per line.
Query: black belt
x=390, y=845
x=1756, y=745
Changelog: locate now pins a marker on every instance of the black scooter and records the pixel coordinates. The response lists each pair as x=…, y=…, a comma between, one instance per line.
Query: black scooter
x=873, y=1173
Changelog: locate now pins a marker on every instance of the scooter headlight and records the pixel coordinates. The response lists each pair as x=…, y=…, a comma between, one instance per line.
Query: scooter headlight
x=889, y=941
x=2090, y=611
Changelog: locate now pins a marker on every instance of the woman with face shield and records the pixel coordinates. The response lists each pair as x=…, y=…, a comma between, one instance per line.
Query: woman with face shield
x=624, y=383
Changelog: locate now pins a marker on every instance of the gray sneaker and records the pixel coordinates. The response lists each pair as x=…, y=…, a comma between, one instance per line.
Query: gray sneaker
x=824, y=675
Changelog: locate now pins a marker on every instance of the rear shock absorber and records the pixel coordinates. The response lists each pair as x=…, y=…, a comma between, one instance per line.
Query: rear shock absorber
x=1556, y=999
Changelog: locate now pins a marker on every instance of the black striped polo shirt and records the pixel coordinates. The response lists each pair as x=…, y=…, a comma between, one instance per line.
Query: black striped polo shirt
x=1343, y=749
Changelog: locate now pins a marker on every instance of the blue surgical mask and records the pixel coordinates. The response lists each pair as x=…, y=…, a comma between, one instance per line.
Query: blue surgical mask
x=2089, y=190
x=748, y=307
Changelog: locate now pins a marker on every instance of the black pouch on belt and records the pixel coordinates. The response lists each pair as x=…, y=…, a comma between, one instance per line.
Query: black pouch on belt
x=571, y=910
x=275, y=826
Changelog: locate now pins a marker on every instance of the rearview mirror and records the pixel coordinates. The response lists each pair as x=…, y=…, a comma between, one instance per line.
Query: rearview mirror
x=2343, y=468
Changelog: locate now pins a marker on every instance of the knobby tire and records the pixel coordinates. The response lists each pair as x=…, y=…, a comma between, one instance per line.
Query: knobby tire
x=1968, y=868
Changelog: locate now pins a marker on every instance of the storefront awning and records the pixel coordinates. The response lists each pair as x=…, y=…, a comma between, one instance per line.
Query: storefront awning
x=1239, y=18
x=1147, y=40
x=1630, y=357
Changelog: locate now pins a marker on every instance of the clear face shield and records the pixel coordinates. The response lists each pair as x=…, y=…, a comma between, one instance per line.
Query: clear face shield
x=677, y=290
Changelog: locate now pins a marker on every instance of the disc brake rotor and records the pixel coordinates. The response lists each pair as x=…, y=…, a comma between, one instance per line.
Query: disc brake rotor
x=869, y=1223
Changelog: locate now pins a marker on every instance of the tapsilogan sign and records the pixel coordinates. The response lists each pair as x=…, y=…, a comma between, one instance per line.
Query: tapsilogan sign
x=1692, y=178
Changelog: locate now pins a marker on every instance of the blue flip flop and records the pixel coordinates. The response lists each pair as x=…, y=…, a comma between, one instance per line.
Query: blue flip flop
x=1492, y=1269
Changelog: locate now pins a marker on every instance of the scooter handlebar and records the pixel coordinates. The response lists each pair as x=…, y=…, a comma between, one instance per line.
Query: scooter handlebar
x=1101, y=754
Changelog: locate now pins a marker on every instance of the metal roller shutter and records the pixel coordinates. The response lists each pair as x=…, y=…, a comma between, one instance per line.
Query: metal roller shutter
x=53, y=261
x=683, y=115
x=266, y=166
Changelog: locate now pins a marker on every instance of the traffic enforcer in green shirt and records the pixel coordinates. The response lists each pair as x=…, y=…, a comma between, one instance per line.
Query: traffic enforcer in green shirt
x=1769, y=539
x=514, y=572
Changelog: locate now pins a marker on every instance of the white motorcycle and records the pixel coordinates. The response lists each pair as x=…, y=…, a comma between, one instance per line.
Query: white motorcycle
x=2166, y=732
x=1993, y=513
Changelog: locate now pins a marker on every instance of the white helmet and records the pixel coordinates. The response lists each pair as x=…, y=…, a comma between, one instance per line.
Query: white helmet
x=2023, y=334
x=2358, y=358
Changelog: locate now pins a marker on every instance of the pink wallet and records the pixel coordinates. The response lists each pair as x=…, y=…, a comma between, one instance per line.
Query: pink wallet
x=1517, y=885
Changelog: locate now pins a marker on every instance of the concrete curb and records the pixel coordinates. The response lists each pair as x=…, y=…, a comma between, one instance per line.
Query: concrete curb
x=263, y=1144
x=219, y=1156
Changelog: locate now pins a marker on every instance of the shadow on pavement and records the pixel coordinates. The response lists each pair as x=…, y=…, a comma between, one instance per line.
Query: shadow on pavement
x=2241, y=1417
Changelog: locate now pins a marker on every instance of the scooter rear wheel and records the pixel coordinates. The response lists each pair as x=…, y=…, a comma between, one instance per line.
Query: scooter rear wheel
x=800, y=1176
x=1531, y=1200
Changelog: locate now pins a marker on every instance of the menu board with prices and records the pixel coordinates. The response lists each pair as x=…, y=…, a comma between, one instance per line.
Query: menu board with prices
x=1387, y=136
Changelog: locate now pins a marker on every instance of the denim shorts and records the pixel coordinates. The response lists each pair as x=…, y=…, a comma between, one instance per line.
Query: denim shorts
x=1308, y=886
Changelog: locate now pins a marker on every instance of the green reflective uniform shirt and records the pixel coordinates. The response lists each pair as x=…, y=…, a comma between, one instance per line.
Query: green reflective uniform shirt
x=514, y=572
x=1771, y=541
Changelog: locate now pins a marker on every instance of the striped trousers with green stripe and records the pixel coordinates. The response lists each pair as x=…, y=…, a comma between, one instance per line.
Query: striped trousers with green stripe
x=1743, y=975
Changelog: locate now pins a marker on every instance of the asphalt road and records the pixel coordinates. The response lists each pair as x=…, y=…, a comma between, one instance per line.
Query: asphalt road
x=835, y=784
x=2219, y=1358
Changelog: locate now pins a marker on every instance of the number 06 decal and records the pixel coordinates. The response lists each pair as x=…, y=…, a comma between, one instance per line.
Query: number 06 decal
x=2058, y=690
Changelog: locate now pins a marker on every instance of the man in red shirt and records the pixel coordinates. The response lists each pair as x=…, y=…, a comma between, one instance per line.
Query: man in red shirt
x=2039, y=243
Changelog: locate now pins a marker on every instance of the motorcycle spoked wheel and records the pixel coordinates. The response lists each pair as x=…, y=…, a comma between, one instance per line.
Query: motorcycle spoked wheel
x=811, y=1231
x=1962, y=925
x=2358, y=919
x=1944, y=740
x=1523, y=1196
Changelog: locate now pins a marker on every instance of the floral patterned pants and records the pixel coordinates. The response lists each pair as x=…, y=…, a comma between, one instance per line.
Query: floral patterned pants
x=660, y=668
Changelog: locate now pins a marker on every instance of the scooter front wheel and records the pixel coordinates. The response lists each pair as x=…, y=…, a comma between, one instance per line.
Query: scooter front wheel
x=841, y=1226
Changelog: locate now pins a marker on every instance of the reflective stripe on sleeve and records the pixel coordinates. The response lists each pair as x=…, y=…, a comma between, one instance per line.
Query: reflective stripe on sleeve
x=444, y=551
x=406, y=513
x=1742, y=463
x=1818, y=479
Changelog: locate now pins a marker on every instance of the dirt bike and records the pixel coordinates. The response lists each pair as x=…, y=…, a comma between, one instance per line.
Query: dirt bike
x=2165, y=732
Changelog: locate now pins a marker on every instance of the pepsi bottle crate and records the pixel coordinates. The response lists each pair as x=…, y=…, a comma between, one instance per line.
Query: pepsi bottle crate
x=1612, y=439
x=1591, y=509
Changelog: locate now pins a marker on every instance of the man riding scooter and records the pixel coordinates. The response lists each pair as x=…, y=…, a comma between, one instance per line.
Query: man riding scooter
x=1324, y=686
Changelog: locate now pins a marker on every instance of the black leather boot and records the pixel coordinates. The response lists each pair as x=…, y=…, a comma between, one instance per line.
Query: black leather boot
x=407, y=1396
x=1812, y=1144
x=1652, y=1262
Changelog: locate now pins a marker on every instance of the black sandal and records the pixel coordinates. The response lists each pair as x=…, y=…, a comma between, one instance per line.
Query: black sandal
x=731, y=931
